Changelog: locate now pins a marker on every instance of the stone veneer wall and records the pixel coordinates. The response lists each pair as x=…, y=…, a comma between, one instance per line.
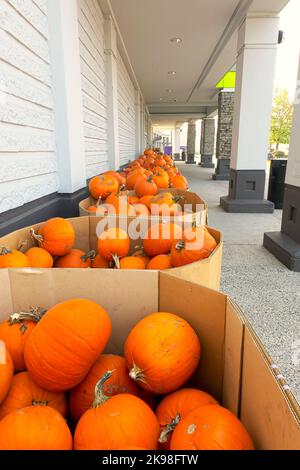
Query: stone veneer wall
x=225, y=124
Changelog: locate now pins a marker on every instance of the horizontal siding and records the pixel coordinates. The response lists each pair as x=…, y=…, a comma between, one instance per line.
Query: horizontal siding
x=92, y=58
x=27, y=139
x=127, y=114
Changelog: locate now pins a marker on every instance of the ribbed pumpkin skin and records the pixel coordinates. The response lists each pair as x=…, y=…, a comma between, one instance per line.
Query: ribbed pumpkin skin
x=200, y=248
x=58, y=236
x=65, y=344
x=132, y=262
x=113, y=242
x=74, y=259
x=14, y=259
x=122, y=420
x=39, y=258
x=181, y=402
x=82, y=396
x=160, y=263
x=25, y=392
x=15, y=337
x=6, y=372
x=166, y=349
x=35, y=428
x=160, y=237
x=102, y=186
x=211, y=428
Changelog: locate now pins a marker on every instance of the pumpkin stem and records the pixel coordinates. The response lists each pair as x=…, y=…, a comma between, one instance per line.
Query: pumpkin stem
x=177, y=198
x=35, y=314
x=100, y=398
x=137, y=374
x=90, y=255
x=4, y=251
x=39, y=403
x=116, y=260
x=168, y=429
x=23, y=244
x=180, y=245
x=36, y=237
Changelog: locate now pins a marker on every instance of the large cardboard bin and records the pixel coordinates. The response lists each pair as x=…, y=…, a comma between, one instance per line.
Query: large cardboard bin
x=206, y=272
x=197, y=208
x=234, y=365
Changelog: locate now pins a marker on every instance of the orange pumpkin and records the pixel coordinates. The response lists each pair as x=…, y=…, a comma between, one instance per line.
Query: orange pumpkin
x=82, y=396
x=166, y=205
x=134, y=176
x=13, y=259
x=115, y=422
x=160, y=237
x=113, y=244
x=102, y=186
x=180, y=182
x=120, y=178
x=146, y=200
x=57, y=236
x=76, y=259
x=175, y=407
x=100, y=263
x=141, y=210
x=211, y=428
x=196, y=244
x=161, y=179
x=130, y=448
x=132, y=262
x=24, y=392
x=160, y=161
x=6, y=372
x=160, y=263
x=16, y=330
x=66, y=343
x=35, y=428
x=162, y=352
x=146, y=187
x=39, y=258
x=140, y=254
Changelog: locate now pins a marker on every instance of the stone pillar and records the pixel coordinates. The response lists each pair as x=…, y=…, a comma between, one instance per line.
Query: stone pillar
x=191, y=143
x=224, y=134
x=207, y=147
x=256, y=62
x=285, y=245
x=177, y=135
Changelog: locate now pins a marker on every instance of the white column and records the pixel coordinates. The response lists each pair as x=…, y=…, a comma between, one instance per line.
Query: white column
x=293, y=168
x=66, y=79
x=138, y=127
x=256, y=62
x=111, y=65
x=176, y=151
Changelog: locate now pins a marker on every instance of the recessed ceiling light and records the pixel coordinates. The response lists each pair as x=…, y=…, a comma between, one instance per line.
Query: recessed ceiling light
x=176, y=40
x=160, y=99
x=169, y=90
x=172, y=72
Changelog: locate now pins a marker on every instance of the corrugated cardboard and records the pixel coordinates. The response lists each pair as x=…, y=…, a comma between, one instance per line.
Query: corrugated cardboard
x=206, y=272
x=234, y=366
x=200, y=216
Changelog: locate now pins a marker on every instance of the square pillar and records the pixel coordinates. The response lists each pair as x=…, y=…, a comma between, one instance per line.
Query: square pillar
x=207, y=146
x=191, y=143
x=285, y=245
x=177, y=138
x=224, y=134
x=257, y=51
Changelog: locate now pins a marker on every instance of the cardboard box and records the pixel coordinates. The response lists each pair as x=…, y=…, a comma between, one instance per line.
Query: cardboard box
x=198, y=207
x=234, y=365
x=206, y=272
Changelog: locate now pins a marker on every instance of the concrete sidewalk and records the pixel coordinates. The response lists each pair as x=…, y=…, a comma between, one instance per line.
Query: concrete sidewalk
x=267, y=292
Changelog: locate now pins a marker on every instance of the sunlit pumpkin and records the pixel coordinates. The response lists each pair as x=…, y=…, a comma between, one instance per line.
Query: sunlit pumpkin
x=179, y=182
x=102, y=186
x=6, y=372
x=76, y=259
x=65, y=344
x=132, y=262
x=162, y=352
x=113, y=244
x=57, y=236
x=146, y=187
x=13, y=259
x=160, y=237
x=39, y=258
x=210, y=428
x=160, y=263
x=196, y=244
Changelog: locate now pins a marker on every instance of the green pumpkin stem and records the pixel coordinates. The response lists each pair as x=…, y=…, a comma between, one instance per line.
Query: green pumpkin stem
x=100, y=397
x=4, y=251
x=169, y=429
x=180, y=245
x=90, y=255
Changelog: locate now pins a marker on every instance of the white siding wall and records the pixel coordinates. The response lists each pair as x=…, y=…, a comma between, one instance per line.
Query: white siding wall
x=91, y=35
x=28, y=165
x=127, y=117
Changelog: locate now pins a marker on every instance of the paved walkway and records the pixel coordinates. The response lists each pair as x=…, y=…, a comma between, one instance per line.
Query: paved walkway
x=267, y=292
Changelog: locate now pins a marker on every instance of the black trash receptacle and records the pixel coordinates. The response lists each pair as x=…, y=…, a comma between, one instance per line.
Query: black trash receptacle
x=276, y=182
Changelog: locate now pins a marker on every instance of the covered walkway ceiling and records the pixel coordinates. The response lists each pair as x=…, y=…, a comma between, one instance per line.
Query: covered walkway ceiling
x=208, y=29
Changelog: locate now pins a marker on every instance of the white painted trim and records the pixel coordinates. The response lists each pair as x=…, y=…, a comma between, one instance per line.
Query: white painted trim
x=66, y=76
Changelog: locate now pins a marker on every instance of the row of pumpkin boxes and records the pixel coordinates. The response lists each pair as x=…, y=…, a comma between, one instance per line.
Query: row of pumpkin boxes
x=232, y=365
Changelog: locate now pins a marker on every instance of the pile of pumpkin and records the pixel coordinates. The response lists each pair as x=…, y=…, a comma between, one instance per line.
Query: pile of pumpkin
x=145, y=176
x=64, y=382
x=165, y=245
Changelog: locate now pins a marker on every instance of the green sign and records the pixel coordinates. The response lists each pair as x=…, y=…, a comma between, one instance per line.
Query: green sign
x=228, y=81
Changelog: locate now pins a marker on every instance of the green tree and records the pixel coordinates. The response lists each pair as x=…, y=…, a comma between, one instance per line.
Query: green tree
x=282, y=117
